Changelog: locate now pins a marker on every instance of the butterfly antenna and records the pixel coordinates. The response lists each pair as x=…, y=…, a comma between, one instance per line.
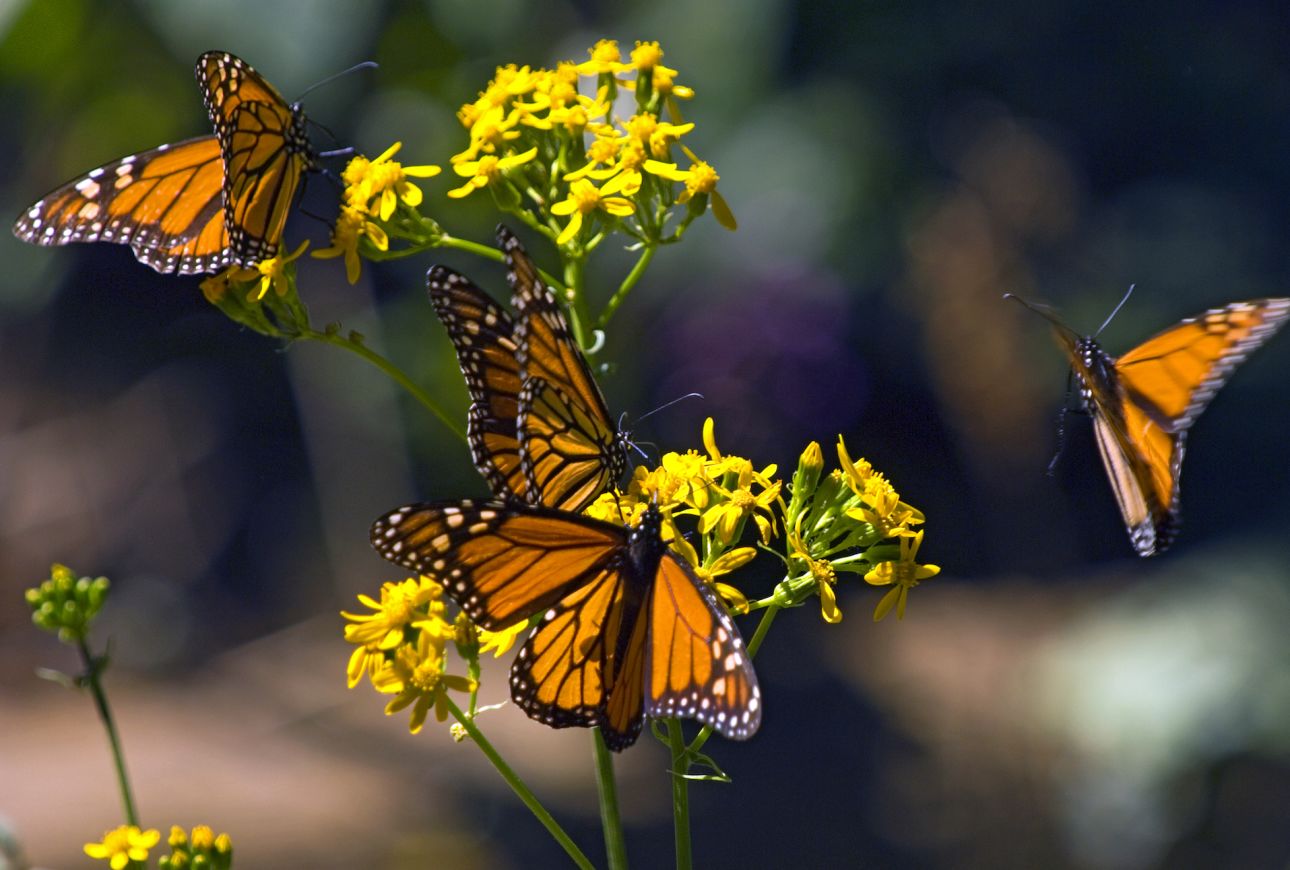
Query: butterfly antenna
x=664, y=406
x=367, y=64
x=339, y=152
x=1105, y=323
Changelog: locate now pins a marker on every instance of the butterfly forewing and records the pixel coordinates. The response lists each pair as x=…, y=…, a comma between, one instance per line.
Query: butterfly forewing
x=500, y=563
x=1175, y=374
x=167, y=204
x=482, y=335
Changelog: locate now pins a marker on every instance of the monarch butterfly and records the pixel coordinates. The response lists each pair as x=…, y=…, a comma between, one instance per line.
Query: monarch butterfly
x=539, y=428
x=198, y=205
x=628, y=632
x=1143, y=403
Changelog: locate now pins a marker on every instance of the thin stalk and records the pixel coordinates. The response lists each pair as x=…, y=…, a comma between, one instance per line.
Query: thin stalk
x=611, y=821
x=517, y=785
x=394, y=373
x=680, y=795
x=576, y=296
x=92, y=672
x=629, y=282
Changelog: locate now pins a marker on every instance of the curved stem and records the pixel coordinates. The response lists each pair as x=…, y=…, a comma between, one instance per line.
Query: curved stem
x=92, y=672
x=629, y=282
x=680, y=794
x=611, y=821
x=394, y=372
x=517, y=785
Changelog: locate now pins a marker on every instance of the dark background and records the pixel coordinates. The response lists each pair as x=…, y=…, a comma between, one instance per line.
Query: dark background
x=1050, y=699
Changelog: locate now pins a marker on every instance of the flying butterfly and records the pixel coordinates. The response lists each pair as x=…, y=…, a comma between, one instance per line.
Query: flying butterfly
x=198, y=205
x=538, y=426
x=628, y=630
x=1143, y=402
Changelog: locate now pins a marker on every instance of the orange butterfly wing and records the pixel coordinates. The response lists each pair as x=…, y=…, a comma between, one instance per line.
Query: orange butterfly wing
x=265, y=147
x=698, y=667
x=627, y=630
x=167, y=204
x=1144, y=402
x=482, y=336
x=589, y=458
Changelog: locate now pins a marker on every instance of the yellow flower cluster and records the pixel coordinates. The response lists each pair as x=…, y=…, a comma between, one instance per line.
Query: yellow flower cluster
x=848, y=521
x=721, y=491
x=373, y=189
x=561, y=159
x=402, y=647
x=129, y=846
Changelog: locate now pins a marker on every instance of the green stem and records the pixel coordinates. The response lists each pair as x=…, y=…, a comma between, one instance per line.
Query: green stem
x=680, y=794
x=576, y=296
x=611, y=821
x=767, y=617
x=629, y=282
x=517, y=785
x=92, y=671
x=390, y=369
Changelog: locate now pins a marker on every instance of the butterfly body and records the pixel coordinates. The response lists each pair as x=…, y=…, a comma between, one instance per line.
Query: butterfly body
x=1144, y=402
x=627, y=631
x=199, y=205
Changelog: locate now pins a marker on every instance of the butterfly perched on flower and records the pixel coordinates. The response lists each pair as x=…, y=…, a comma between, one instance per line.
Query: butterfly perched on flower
x=1143, y=402
x=198, y=205
x=538, y=426
x=627, y=630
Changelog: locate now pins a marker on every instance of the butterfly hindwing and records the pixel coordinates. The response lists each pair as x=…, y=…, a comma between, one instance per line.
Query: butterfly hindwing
x=482, y=335
x=567, y=456
x=698, y=667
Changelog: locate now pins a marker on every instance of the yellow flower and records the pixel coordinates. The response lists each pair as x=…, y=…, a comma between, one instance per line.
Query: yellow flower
x=605, y=57
x=822, y=571
x=657, y=136
x=729, y=561
x=385, y=180
x=699, y=179
x=351, y=226
x=415, y=603
x=648, y=57
x=123, y=845
x=585, y=198
x=501, y=641
x=491, y=130
x=273, y=273
x=416, y=675
x=902, y=575
x=486, y=170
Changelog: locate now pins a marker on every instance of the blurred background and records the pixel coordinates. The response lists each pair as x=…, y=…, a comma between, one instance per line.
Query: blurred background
x=1050, y=700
